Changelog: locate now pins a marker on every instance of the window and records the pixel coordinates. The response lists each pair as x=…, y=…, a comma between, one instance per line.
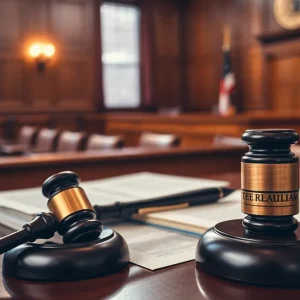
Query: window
x=120, y=26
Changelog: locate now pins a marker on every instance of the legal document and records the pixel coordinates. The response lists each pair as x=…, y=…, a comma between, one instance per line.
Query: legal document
x=19, y=206
x=155, y=248
x=197, y=219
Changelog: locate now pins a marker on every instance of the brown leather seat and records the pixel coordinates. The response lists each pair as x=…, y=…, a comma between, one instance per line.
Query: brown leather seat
x=26, y=139
x=148, y=139
x=27, y=136
x=8, y=129
x=228, y=140
x=296, y=149
x=170, y=111
x=102, y=142
x=46, y=140
x=70, y=141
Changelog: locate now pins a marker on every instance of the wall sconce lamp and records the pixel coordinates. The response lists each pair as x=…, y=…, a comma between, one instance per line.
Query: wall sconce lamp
x=42, y=53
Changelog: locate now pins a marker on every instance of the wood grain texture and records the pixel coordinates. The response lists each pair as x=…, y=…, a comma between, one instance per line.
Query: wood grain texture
x=193, y=129
x=255, y=34
x=181, y=44
x=183, y=281
x=286, y=83
x=29, y=171
x=72, y=80
x=68, y=82
x=165, y=41
x=196, y=129
x=204, y=26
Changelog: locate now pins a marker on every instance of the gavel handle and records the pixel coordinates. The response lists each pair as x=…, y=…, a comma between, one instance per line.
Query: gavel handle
x=13, y=240
x=42, y=227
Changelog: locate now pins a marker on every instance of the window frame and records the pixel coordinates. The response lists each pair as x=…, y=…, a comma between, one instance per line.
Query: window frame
x=141, y=106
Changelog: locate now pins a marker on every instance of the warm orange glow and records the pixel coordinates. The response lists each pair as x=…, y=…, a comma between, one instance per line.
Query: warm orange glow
x=35, y=50
x=48, y=50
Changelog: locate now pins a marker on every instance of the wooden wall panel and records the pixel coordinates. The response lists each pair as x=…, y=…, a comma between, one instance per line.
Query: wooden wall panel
x=11, y=63
x=257, y=39
x=185, y=42
x=270, y=25
x=204, y=27
x=71, y=81
x=74, y=85
x=39, y=88
x=203, y=84
x=286, y=83
x=71, y=22
x=68, y=82
x=166, y=28
x=167, y=54
x=167, y=82
x=36, y=19
x=11, y=71
x=10, y=23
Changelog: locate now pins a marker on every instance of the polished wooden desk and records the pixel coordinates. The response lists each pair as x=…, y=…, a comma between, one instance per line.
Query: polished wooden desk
x=183, y=281
x=30, y=171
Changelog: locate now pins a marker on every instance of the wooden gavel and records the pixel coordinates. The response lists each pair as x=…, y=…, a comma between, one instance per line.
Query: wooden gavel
x=71, y=215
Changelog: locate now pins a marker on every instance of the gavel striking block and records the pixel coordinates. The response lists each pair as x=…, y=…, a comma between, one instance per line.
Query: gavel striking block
x=264, y=247
x=87, y=249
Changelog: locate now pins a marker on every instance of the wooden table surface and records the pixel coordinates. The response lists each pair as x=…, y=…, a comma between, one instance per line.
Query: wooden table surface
x=32, y=170
x=183, y=281
x=126, y=153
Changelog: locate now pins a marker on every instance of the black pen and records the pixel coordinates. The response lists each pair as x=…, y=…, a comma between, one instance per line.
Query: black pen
x=125, y=210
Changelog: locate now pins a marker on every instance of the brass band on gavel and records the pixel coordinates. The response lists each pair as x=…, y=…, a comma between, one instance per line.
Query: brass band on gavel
x=270, y=189
x=270, y=173
x=69, y=201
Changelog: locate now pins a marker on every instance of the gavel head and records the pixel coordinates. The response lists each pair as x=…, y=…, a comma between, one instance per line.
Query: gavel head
x=270, y=181
x=76, y=217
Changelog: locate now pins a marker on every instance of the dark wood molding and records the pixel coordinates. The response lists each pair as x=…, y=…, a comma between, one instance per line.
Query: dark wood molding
x=184, y=78
x=279, y=36
x=99, y=99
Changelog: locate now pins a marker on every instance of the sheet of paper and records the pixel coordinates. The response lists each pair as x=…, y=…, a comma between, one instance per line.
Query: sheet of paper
x=205, y=216
x=155, y=248
x=28, y=201
x=146, y=185
x=127, y=188
x=11, y=221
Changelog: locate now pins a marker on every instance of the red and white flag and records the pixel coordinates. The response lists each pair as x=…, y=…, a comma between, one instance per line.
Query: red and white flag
x=227, y=85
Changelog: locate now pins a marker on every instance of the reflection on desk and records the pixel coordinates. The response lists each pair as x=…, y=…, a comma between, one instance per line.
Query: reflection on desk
x=215, y=288
x=96, y=288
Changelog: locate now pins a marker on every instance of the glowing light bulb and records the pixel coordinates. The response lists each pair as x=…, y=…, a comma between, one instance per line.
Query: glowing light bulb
x=48, y=50
x=35, y=50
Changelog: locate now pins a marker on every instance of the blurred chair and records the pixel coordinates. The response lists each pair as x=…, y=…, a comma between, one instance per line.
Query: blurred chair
x=228, y=140
x=46, y=140
x=70, y=141
x=102, y=142
x=170, y=111
x=26, y=139
x=27, y=136
x=296, y=149
x=8, y=130
x=148, y=139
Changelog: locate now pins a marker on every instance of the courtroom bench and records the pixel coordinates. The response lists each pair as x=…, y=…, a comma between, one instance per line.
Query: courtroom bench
x=195, y=129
